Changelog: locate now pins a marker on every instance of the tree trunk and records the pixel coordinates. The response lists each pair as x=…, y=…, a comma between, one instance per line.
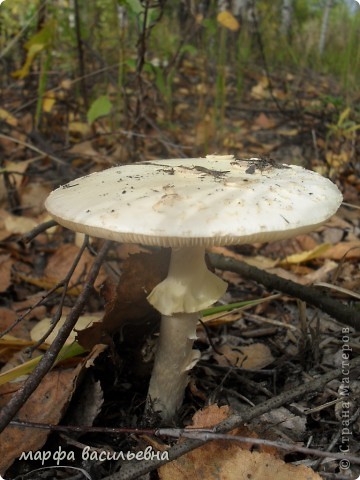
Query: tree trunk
x=286, y=17
x=324, y=26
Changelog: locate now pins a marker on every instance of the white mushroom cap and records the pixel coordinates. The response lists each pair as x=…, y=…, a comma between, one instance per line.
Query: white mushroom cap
x=215, y=200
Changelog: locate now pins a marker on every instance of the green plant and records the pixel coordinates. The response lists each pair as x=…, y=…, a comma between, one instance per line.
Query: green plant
x=344, y=127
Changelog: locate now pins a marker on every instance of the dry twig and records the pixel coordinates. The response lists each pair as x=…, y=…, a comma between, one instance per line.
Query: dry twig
x=340, y=312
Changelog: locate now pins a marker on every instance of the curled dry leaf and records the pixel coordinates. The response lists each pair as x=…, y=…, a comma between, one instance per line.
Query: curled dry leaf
x=89, y=403
x=126, y=306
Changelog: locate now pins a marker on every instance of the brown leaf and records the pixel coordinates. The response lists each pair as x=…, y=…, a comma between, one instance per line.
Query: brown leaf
x=6, y=263
x=263, y=121
x=127, y=308
x=32, y=197
x=45, y=405
x=230, y=462
x=7, y=318
x=343, y=249
x=210, y=416
x=255, y=356
x=61, y=261
x=16, y=224
x=227, y=460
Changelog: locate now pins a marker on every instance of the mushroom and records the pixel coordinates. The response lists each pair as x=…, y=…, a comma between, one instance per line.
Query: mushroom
x=188, y=205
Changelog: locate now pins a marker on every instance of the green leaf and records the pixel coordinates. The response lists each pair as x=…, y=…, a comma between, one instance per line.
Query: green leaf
x=99, y=108
x=68, y=351
x=237, y=305
x=134, y=6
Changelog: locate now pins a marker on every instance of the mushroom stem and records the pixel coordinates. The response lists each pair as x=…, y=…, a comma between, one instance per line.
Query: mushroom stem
x=174, y=358
x=188, y=288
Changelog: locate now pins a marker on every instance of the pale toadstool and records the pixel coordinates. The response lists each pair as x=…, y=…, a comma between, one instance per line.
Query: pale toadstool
x=189, y=204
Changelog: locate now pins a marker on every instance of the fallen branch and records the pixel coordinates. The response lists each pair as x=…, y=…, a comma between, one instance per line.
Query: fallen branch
x=340, y=312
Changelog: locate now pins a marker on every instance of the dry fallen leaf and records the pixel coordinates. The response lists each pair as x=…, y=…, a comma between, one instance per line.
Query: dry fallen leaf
x=343, y=249
x=7, y=117
x=6, y=263
x=306, y=256
x=46, y=405
x=18, y=169
x=61, y=261
x=226, y=460
x=16, y=224
x=7, y=318
x=32, y=197
x=263, y=121
x=126, y=304
x=44, y=325
x=255, y=356
x=230, y=462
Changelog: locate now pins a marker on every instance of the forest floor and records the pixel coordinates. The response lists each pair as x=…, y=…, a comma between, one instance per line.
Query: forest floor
x=275, y=372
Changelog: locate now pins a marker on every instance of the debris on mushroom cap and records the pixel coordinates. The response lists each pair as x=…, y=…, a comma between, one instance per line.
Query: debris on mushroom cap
x=215, y=200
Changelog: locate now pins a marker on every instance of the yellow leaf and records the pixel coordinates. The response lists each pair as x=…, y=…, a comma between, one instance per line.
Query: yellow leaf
x=42, y=327
x=227, y=20
x=39, y=42
x=343, y=116
x=305, y=256
x=32, y=53
x=48, y=101
x=7, y=117
x=79, y=128
x=337, y=160
x=68, y=351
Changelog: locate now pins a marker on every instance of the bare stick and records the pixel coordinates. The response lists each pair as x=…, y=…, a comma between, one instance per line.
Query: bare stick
x=342, y=313
x=196, y=433
x=65, y=284
x=48, y=360
x=29, y=236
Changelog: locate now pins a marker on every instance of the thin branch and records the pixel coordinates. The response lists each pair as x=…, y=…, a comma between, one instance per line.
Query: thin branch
x=34, y=149
x=202, y=434
x=49, y=358
x=65, y=284
x=29, y=236
x=339, y=311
